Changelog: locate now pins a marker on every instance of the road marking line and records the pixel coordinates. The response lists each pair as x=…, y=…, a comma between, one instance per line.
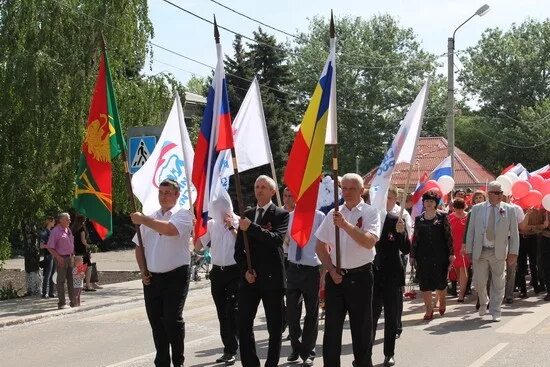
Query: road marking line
x=522, y=324
x=149, y=355
x=487, y=356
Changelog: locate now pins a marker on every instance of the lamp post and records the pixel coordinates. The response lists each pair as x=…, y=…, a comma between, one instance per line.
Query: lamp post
x=451, y=86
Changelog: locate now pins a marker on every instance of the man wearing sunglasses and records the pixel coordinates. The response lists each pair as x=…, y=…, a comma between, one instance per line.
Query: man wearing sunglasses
x=492, y=241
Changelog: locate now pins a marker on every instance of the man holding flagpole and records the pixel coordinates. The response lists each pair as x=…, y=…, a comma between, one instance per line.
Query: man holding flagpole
x=166, y=234
x=349, y=291
x=265, y=225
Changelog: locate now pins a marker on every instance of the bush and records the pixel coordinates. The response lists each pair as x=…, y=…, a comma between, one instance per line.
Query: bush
x=8, y=292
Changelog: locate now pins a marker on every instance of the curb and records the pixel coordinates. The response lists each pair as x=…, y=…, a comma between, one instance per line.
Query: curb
x=68, y=311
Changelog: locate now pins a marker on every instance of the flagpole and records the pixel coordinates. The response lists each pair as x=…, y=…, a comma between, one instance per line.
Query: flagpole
x=408, y=182
x=237, y=176
x=140, y=249
x=273, y=172
x=185, y=157
x=335, y=175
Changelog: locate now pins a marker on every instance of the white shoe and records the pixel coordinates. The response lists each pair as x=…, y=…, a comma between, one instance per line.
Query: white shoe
x=482, y=310
x=496, y=318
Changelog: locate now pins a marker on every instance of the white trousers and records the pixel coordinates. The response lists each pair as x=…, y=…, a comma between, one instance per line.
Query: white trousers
x=485, y=265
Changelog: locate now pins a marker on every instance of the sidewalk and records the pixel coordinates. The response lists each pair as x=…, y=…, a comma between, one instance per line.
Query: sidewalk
x=124, y=260
x=26, y=309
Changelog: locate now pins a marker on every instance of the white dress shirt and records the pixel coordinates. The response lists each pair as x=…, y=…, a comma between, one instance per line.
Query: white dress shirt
x=265, y=207
x=166, y=253
x=309, y=255
x=222, y=242
x=352, y=255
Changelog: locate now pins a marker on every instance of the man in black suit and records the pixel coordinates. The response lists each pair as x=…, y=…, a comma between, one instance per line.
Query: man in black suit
x=265, y=226
x=389, y=276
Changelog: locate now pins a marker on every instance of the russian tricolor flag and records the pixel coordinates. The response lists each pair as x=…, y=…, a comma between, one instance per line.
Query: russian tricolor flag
x=215, y=135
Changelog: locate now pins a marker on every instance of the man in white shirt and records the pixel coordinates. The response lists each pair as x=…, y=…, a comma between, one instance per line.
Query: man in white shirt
x=302, y=279
x=349, y=290
x=164, y=265
x=224, y=276
x=492, y=241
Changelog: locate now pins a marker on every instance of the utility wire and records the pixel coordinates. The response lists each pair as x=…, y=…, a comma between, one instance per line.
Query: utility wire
x=255, y=20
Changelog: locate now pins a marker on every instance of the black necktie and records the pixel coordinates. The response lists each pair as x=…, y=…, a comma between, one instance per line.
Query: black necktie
x=259, y=217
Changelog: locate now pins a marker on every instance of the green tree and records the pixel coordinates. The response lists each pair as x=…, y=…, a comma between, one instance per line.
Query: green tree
x=267, y=60
x=380, y=69
x=508, y=74
x=48, y=66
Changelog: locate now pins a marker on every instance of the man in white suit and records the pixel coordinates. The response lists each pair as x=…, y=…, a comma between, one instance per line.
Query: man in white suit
x=492, y=240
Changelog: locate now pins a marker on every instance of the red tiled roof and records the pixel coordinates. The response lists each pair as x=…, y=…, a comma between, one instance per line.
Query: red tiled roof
x=430, y=152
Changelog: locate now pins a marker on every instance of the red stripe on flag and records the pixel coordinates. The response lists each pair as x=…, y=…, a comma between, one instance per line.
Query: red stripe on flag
x=507, y=168
x=302, y=223
x=296, y=165
x=199, y=181
x=225, y=133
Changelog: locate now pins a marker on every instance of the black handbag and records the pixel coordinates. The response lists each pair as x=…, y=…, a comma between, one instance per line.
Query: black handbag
x=94, y=278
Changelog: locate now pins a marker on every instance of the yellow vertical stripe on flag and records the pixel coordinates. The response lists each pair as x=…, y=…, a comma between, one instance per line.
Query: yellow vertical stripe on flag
x=307, y=127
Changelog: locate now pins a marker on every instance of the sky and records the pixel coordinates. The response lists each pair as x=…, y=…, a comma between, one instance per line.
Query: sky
x=433, y=21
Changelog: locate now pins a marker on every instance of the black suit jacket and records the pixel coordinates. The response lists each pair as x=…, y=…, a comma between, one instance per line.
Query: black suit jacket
x=266, y=248
x=388, y=268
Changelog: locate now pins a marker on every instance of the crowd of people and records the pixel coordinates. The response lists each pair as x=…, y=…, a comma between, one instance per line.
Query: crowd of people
x=256, y=259
x=66, y=259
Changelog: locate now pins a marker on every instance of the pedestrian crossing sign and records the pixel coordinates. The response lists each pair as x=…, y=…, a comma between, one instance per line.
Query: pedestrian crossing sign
x=140, y=148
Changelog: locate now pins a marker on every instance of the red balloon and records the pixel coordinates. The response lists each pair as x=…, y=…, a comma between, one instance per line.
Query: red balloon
x=520, y=189
x=546, y=188
x=537, y=182
x=531, y=200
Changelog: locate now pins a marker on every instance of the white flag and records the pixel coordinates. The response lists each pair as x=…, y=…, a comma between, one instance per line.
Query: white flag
x=172, y=158
x=402, y=149
x=250, y=134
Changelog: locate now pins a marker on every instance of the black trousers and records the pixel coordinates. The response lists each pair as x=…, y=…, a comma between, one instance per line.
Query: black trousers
x=302, y=287
x=354, y=297
x=272, y=300
x=224, y=286
x=391, y=299
x=164, y=301
x=545, y=255
x=527, y=249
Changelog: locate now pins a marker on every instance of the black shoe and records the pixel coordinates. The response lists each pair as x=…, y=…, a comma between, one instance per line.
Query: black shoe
x=547, y=297
x=293, y=357
x=389, y=361
x=308, y=361
x=523, y=295
x=227, y=358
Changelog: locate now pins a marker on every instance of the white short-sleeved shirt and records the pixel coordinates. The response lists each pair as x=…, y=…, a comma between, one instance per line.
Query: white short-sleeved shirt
x=222, y=243
x=352, y=254
x=166, y=253
x=520, y=215
x=308, y=256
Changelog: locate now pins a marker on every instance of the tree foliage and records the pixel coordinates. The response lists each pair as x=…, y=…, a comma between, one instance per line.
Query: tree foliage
x=380, y=69
x=48, y=66
x=508, y=75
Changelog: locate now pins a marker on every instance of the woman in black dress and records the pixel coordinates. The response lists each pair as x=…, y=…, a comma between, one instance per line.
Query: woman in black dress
x=81, y=248
x=432, y=251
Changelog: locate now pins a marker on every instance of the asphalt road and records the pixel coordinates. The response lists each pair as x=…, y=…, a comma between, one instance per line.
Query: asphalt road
x=119, y=336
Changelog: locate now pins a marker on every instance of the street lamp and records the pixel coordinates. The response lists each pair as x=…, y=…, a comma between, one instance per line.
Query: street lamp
x=451, y=88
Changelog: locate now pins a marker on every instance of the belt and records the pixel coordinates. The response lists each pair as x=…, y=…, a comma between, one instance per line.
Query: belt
x=174, y=271
x=303, y=266
x=524, y=235
x=487, y=248
x=226, y=267
x=360, y=269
